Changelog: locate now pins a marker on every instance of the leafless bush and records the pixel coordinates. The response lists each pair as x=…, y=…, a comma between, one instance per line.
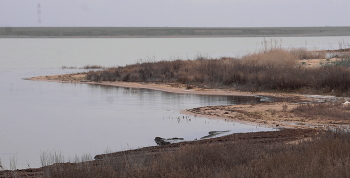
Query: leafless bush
x=47, y=158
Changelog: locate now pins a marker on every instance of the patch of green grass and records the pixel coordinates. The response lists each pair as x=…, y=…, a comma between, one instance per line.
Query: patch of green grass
x=343, y=62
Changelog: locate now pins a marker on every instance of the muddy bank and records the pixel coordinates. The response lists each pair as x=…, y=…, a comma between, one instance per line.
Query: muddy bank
x=281, y=114
x=280, y=135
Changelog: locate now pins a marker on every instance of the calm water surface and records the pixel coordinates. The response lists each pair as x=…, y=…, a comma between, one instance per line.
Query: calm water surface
x=75, y=119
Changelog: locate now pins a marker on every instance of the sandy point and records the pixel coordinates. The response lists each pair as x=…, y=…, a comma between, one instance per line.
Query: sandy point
x=275, y=114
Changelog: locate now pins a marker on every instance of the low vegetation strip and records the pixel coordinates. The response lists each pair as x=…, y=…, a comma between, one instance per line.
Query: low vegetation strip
x=275, y=69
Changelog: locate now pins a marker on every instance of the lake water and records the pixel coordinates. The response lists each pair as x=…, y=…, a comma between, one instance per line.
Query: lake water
x=77, y=119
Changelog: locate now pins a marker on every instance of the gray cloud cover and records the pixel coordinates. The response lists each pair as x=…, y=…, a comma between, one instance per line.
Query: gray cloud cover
x=176, y=13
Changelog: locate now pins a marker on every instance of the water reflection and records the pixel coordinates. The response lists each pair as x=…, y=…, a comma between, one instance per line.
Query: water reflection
x=74, y=119
x=82, y=118
x=175, y=100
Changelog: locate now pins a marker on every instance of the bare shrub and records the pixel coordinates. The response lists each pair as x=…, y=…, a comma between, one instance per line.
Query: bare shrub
x=48, y=158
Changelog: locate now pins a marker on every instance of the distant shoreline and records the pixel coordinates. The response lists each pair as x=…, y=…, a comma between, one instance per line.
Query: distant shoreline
x=157, y=36
x=169, y=32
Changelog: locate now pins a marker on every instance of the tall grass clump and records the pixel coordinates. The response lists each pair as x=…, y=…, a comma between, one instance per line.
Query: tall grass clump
x=324, y=155
x=275, y=69
x=275, y=57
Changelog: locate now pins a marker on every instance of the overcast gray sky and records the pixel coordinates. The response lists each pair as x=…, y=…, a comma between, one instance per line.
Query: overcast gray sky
x=175, y=13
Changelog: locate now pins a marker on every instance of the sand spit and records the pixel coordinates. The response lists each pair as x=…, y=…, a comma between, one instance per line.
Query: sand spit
x=171, y=87
x=270, y=114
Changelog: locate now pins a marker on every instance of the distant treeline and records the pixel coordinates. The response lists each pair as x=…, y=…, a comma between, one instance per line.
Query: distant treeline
x=170, y=31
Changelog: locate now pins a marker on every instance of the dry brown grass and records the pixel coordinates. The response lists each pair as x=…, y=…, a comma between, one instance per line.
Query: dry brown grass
x=275, y=69
x=303, y=53
x=324, y=155
x=276, y=57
